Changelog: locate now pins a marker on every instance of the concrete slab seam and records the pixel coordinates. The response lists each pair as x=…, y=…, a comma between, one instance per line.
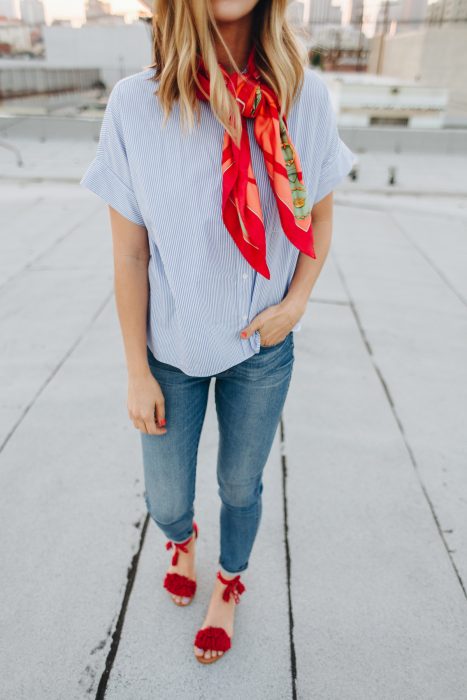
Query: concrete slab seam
x=60, y=364
x=117, y=633
x=293, y=656
x=397, y=420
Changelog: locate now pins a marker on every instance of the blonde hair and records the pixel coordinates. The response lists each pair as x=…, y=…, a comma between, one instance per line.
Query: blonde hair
x=184, y=30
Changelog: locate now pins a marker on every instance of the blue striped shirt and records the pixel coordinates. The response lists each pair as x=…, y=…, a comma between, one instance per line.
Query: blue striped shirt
x=202, y=290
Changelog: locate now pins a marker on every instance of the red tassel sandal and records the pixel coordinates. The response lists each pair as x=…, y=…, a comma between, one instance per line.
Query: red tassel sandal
x=216, y=638
x=177, y=584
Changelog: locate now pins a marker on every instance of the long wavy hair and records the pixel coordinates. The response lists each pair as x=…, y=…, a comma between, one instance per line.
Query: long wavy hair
x=182, y=30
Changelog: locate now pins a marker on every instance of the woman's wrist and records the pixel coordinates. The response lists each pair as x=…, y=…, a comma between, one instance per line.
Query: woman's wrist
x=138, y=370
x=295, y=302
x=294, y=306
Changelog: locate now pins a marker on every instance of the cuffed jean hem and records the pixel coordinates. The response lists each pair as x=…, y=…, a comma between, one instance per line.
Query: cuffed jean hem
x=179, y=530
x=226, y=573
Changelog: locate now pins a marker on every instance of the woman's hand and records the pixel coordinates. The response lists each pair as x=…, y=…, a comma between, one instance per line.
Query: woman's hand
x=146, y=403
x=275, y=322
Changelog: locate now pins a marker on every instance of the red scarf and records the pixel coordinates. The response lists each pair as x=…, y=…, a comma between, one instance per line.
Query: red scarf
x=241, y=207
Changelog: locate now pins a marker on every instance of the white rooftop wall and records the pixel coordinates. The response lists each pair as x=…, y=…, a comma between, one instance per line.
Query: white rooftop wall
x=117, y=50
x=433, y=56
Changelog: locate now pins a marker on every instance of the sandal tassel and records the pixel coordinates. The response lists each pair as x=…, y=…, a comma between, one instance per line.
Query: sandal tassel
x=175, y=583
x=233, y=587
x=216, y=638
x=180, y=585
x=180, y=546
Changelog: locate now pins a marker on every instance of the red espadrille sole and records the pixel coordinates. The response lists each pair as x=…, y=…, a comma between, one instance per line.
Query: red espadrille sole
x=213, y=638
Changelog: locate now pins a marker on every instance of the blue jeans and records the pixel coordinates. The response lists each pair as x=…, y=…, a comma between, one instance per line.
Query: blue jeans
x=249, y=399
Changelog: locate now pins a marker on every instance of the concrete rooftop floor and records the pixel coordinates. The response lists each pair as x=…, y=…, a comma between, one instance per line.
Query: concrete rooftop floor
x=357, y=584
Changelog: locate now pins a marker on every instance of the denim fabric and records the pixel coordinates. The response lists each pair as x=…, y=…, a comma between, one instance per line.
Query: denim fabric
x=249, y=399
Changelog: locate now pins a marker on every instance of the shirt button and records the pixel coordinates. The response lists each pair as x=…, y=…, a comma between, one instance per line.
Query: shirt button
x=245, y=275
x=244, y=317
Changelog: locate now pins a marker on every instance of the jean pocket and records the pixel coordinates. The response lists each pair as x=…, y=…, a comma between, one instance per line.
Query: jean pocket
x=266, y=348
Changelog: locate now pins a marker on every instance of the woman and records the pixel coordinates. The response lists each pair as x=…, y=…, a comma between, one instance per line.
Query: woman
x=220, y=231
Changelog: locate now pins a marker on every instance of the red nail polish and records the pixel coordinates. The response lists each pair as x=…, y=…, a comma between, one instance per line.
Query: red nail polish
x=243, y=334
x=162, y=422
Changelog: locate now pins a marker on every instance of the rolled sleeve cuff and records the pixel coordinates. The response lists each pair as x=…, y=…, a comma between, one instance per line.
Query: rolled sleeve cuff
x=335, y=171
x=101, y=180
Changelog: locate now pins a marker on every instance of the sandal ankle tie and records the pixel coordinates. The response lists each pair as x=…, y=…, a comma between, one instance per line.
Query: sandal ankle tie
x=233, y=587
x=181, y=546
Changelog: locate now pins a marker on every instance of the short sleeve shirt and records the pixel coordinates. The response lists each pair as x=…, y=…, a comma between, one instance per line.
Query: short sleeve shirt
x=202, y=290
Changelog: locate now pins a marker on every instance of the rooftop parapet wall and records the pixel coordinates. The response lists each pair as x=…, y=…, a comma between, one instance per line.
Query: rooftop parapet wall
x=360, y=140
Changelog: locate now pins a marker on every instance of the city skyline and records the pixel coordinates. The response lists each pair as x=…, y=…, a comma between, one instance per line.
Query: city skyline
x=316, y=11
x=74, y=9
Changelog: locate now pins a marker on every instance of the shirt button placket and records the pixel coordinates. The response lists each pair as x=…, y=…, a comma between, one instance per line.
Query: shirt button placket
x=245, y=299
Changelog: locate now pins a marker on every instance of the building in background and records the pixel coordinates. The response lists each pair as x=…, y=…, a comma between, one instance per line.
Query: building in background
x=411, y=15
x=447, y=11
x=431, y=56
x=295, y=11
x=387, y=17
x=356, y=14
x=59, y=22
x=7, y=9
x=32, y=12
x=116, y=50
x=98, y=12
x=368, y=100
x=400, y=16
x=342, y=48
x=314, y=13
x=15, y=38
x=96, y=8
x=321, y=12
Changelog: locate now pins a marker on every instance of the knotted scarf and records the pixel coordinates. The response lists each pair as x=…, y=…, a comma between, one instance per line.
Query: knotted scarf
x=241, y=206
